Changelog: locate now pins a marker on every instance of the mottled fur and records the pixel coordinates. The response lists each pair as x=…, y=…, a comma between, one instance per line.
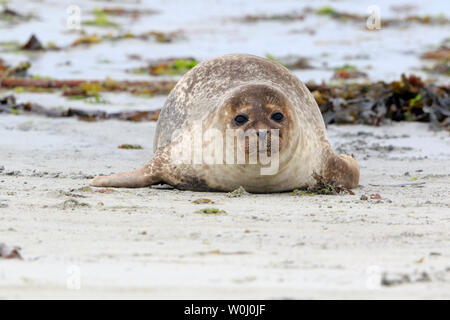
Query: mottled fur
x=211, y=93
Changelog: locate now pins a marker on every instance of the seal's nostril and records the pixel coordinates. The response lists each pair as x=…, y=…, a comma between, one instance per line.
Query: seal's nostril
x=261, y=133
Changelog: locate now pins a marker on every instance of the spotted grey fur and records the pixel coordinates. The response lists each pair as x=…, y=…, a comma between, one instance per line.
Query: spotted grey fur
x=200, y=95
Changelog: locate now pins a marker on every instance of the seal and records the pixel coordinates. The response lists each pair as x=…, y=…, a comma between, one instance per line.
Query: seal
x=275, y=137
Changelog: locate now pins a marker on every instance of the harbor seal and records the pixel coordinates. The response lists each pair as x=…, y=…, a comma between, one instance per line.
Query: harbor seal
x=248, y=96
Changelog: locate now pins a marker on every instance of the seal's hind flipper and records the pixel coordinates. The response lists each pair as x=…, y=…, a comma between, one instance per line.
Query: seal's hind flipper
x=146, y=176
x=344, y=169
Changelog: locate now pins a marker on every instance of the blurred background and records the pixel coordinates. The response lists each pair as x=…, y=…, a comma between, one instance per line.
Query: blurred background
x=327, y=34
x=321, y=41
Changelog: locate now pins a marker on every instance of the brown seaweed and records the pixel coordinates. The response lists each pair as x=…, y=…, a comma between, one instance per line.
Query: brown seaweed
x=440, y=58
x=33, y=44
x=13, y=17
x=83, y=87
x=409, y=99
x=9, y=105
x=8, y=252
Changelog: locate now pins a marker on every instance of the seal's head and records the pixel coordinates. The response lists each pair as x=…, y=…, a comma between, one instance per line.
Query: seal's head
x=262, y=118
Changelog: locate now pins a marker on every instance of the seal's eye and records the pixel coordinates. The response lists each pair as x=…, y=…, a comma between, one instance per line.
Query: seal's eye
x=277, y=116
x=240, y=119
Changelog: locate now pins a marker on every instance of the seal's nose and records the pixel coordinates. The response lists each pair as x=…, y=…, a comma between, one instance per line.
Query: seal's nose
x=260, y=126
x=262, y=131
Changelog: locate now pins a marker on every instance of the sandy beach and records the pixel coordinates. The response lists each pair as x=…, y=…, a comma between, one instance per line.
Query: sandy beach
x=150, y=243
x=390, y=240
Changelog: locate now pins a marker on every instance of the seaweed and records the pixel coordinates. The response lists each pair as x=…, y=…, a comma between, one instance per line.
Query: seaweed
x=134, y=13
x=8, y=105
x=286, y=17
x=13, y=17
x=322, y=186
x=326, y=10
x=178, y=66
x=342, y=16
x=33, y=44
x=157, y=36
x=441, y=59
x=73, y=204
x=408, y=99
x=130, y=147
x=292, y=62
x=8, y=252
x=239, y=192
x=441, y=53
x=442, y=67
x=100, y=20
x=348, y=72
x=21, y=70
x=82, y=189
x=210, y=211
x=84, y=88
x=87, y=39
x=170, y=66
x=202, y=201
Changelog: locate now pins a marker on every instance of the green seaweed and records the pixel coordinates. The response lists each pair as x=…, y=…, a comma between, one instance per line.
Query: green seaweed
x=326, y=11
x=176, y=67
x=237, y=193
x=346, y=67
x=415, y=100
x=39, y=77
x=211, y=211
x=84, y=189
x=274, y=59
x=130, y=146
x=100, y=20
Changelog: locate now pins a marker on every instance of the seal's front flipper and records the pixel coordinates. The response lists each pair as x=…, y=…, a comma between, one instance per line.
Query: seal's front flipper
x=143, y=177
x=344, y=169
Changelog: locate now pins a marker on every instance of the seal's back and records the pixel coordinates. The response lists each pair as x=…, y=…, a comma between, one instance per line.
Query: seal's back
x=201, y=90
